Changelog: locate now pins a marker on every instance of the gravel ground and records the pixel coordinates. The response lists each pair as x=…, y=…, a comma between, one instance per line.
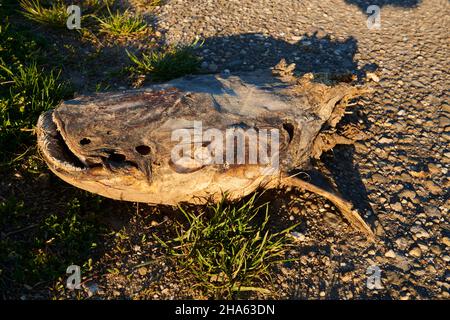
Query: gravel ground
x=399, y=176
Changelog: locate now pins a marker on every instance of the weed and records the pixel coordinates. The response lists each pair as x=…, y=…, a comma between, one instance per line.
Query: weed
x=154, y=3
x=11, y=211
x=226, y=250
x=93, y=6
x=29, y=91
x=17, y=47
x=54, y=15
x=122, y=24
x=56, y=242
x=166, y=63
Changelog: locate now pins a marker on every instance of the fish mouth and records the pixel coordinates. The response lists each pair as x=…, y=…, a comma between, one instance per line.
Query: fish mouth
x=54, y=149
x=63, y=161
x=120, y=181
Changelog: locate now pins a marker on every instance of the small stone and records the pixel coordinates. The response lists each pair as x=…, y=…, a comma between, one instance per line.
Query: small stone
x=285, y=271
x=397, y=206
x=444, y=121
x=295, y=210
x=432, y=187
x=91, y=288
x=404, y=297
x=44, y=179
x=434, y=169
x=436, y=250
x=347, y=277
x=372, y=76
x=402, y=243
x=322, y=293
x=407, y=194
x=420, y=232
x=423, y=247
x=298, y=236
x=142, y=271
x=390, y=254
x=418, y=174
x=446, y=241
x=154, y=223
x=402, y=263
x=432, y=211
x=385, y=140
x=378, y=178
x=415, y=252
x=165, y=291
x=431, y=269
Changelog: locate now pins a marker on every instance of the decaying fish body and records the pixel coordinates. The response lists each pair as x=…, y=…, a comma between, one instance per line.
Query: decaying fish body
x=120, y=145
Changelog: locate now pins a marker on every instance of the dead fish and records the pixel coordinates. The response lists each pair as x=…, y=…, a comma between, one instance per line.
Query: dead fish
x=121, y=145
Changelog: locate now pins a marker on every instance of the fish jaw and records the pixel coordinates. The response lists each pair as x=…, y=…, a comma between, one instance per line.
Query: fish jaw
x=93, y=178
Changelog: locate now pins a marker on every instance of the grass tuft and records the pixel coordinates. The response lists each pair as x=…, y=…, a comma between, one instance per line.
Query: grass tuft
x=226, y=250
x=166, y=64
x=54, y=15
x=27, y=92
x=122, y=24
x=94, y=5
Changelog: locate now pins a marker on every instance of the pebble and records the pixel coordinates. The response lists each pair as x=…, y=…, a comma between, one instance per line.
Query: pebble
x=385, y=140
x=410, y=194
x=446, y=241
x=415, y=252
x=390, y=254
x=397, y=206
x=378, y=178
x=142, y=271
x=432, y=187
x=419, y=232
x=154, y=223
x=402, y=243
x=298, y=236
x=92, y=288
x=372, y=76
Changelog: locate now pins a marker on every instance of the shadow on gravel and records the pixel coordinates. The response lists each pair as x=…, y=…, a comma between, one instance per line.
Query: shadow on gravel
x=364, y=4
x=251, y=51
x=347, y=178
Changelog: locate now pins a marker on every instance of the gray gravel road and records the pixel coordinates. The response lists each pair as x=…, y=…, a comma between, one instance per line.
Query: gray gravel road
x=398, y=178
